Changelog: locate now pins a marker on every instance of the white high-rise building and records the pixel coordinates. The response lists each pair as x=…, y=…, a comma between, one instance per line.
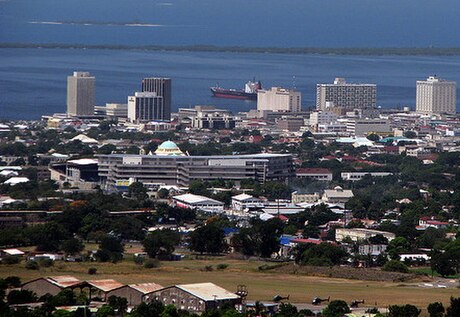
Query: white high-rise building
x=279, y=100
x=80, y=94
x=344, y=95
x=436, y=95
x=145, y=106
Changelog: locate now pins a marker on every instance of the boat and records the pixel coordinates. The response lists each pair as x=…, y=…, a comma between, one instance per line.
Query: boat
x=248, y=93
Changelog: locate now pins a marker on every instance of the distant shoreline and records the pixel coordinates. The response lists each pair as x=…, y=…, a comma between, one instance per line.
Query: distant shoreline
x=357, y=51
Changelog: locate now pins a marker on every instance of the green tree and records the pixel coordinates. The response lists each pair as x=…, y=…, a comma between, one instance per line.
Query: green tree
x=454, y=309
x=336, y=308
x=324, y=254
x=105, y=311
x=209, y=238
x=72, y=246
x=21, y=297
x=161, y=243
x=137, y=191
x=110, y=249
x=403, y=311
x=436, y=309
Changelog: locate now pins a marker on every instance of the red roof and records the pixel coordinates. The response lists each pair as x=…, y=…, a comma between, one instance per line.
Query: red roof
x=436, y=222
x=282, y=217
x=313, y=171
x=309, y=240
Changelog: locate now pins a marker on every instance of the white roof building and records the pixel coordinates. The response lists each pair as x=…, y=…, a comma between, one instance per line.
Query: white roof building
x=244, y=201
x=337, y=195
x=16, y=180
x=198, y=202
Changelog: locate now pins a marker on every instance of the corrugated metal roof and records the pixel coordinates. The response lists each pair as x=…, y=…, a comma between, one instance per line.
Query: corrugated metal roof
x=208, y=291
x=105, y=285
x=146, y=288
x=63, y=280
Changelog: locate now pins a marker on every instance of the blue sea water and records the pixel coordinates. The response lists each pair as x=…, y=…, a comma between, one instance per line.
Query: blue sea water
x=33, y=81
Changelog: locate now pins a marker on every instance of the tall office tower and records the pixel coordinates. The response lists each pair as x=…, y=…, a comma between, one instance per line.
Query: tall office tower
x=436, y=95
x=279, y=100
x=80, y=94
x=162, y=87
x=346, y=96
x=145, y=106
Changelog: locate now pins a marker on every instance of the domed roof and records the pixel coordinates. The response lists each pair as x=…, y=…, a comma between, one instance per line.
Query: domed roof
x=168, y=145
x=168, y=148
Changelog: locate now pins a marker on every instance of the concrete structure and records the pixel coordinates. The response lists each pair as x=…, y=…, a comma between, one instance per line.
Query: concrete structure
x=290, y=123
x=244, y=201
x=372, y=249
x=198, y=202
x=319, y=174
x=135, y=293
x=112, y=110
x=344, y=95
x=197, y=298
x=338, y=195
x=279, y=100
x=202, y=117
x=81, y=173
x=322, y=117
x=360, y=234
x=162, y=88
x=118, y=169
x=356, y=176
x=146, y=106
x=297, y=198
x=363, y=127
x=436, y=95
x=50, y=285
x=81, y=94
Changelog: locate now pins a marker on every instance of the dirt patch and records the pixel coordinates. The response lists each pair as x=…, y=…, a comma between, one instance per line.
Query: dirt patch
x=365, y=274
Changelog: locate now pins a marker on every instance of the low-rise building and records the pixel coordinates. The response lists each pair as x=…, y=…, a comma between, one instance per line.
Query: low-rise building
x=360, y=234
x=196, y=298
x=319, y=174
x=50, y=285
x=198, y=202
x=244, y=201
x=297, y=198
x=338, y=195
x=135, y=293
x=356, y=176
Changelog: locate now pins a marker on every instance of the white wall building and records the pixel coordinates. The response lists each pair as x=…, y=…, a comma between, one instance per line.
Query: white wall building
x=279, y=100
x=244, y=201
x=356, y=176
x=359, y=234
x=322, y=117
x=145, y=106
x=436, y=95
x=198, y=202
x=362, y=127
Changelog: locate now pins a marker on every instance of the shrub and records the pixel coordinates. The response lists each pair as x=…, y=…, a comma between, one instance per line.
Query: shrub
x=396, y=266
x=139, y=260
x=32, y=265
x=92, y=271
x=208, y=268
x=222, y=266
x=11, y=260
x=151, y=263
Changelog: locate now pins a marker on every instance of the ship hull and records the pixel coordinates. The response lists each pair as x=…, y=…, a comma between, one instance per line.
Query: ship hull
x=233, y=94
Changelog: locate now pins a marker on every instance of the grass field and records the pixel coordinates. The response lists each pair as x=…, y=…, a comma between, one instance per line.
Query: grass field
x=261, y=285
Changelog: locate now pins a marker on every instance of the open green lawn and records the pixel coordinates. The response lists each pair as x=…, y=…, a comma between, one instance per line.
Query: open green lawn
x=427, y=270
x=261, y=285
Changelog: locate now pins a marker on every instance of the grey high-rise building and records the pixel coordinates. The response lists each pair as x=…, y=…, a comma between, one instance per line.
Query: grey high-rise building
x=80, y=94
x=162, y=88
x=347, y=96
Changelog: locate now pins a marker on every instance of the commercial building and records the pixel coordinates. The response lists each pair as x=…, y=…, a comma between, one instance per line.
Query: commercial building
x=360, y=234
x=117, y=170
x=197, y=298
x=80, y=94
x=363, y=127
x=322, y=117
x=212, y=118
x=344, y=95
x=198, y=202
x=436, y=95
x=279, y=99
x=162, y=88
x=290, y=123
x=112, y=110
x=244, y=201
x=146, y=106
x=80, y=173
